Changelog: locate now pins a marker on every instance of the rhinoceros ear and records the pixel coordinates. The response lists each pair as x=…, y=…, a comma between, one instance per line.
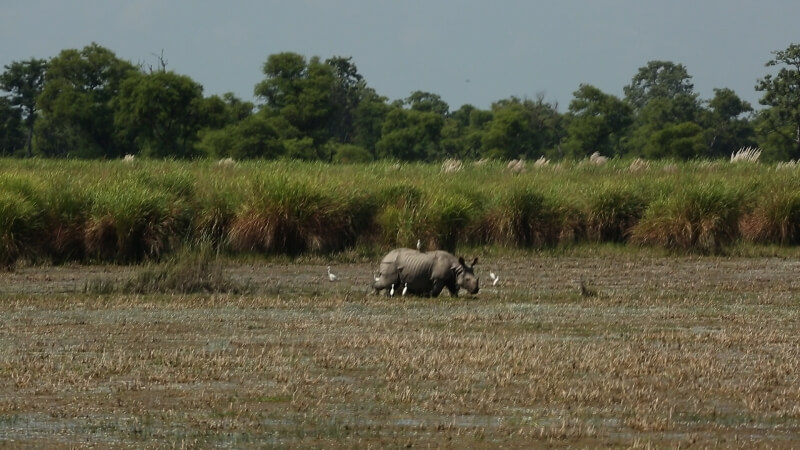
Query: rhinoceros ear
x=475, y=261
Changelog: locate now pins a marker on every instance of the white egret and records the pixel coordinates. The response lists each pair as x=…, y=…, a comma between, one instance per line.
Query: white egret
x=495, y=278
x=391, y=292
x=419, y=244
x=405, y=289
x=331, y=276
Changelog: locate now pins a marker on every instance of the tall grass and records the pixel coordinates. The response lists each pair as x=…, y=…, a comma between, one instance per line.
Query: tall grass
x=129, y=212
x=283, y=215
x=775, y=217
x=702, y=218
x=130, y=221
x=612, y=210
x=522, y=216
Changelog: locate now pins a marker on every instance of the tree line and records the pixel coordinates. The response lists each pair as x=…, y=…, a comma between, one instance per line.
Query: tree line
x=88, y=103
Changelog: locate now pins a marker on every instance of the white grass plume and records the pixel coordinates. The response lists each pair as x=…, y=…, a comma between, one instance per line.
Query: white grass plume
x=746, y=154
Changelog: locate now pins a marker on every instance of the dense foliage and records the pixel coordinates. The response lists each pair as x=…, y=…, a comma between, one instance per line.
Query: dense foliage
x=88, y=103
x=139, y=209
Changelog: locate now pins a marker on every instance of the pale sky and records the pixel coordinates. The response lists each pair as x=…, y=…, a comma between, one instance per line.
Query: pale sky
x=466, y=51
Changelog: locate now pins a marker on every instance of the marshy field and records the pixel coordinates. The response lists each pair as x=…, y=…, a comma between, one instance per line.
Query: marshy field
x=187, y=304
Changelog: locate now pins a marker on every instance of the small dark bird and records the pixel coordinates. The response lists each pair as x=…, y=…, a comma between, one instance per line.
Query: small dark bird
x=587, y=291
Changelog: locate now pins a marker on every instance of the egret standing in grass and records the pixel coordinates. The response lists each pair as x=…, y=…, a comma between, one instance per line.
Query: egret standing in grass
x=391, y=292
x=331, y=276
x=419, y=244
x=405, y=289
x=495, y=278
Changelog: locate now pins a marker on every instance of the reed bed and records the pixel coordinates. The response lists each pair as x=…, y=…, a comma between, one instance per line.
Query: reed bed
x=133, y=211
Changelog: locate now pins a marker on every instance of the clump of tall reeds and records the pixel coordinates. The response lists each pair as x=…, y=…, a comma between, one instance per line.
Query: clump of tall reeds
x=21, y=217
x=19, y=222
x=399, y=206
x=283, y=215
x=215, y=211
x=130, y=221
x=444, y=218
x=612, y=211
x=699, y=218
x=65, y=210
x=523, y=216
x=775, y=219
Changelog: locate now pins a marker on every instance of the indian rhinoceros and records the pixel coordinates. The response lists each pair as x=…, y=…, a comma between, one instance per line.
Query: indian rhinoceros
x=426, y=273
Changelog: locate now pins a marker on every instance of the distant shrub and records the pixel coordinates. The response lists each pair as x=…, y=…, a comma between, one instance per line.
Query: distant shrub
x=191, y=270
x=351, y=154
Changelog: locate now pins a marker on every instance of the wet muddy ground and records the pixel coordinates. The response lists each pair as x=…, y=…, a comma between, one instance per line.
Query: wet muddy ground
x=666, y=351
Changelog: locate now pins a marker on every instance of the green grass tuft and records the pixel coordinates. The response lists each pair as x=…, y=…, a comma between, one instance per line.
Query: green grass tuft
x=702, y=218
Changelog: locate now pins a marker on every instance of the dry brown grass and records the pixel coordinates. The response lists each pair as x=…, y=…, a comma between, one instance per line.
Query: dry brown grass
x=670, y=352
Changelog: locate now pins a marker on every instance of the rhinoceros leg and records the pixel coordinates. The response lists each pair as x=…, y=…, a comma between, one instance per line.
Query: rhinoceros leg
x=453, y=288
x=438, y=285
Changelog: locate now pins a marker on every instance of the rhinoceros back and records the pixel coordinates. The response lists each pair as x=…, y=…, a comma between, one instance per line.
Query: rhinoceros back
x=416, y=269
x=389, y=271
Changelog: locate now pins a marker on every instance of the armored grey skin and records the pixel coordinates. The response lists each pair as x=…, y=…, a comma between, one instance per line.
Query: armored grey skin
x=427, y=274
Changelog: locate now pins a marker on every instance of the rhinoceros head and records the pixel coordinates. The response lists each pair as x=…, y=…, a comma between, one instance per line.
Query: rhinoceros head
x=465, y=276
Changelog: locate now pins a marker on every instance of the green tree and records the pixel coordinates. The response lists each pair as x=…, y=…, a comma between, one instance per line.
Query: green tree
x=522, y=129
x=427, y=102
x=12, y=137
x=662, y=95
x=775, y=137
x=77, y=116
x=676, y=141
x=727, y=130
x=300, y=92
x=368, y=118
x=349, y=89
x=782, y=95
x=161, y=112
x=410, y=135
x=597, y=122
x=24, y=81
x=463, y=132
x=227, y=110
x=658, y=79
x=256, y=136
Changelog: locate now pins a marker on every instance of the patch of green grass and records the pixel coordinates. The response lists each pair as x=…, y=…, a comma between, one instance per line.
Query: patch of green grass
x=132, y=212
